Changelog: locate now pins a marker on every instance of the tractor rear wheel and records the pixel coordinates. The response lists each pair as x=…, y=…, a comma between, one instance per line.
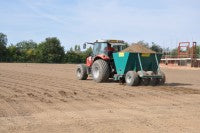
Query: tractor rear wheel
x=81, y=72
x=132, y=78
x=100, y=71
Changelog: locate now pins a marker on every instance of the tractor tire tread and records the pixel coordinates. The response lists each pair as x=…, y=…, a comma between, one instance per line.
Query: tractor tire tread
x=104, y=70
x=83, y=73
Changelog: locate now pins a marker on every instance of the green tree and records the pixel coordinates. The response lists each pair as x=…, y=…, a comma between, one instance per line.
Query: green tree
x=77, y=48
x=50, y=51
x=142, y=43
x=156, y=48
x=26, y=51
x=12, y=53
x=73, y=57
x=71, y=49
x=3, y=43
x=76, y=56
x=174, y=52
x=86, y=54
x=26, y=45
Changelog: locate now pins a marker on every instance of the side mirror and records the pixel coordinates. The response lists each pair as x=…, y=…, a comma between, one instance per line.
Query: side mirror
x=84, y=46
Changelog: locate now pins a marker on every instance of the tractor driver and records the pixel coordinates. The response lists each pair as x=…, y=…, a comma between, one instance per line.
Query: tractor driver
x=110, y=50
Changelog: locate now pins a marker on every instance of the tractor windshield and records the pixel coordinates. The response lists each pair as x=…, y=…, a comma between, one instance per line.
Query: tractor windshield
x=99, y=48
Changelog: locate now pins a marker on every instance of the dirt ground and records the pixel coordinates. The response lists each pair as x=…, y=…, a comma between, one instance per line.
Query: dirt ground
x=48, y=98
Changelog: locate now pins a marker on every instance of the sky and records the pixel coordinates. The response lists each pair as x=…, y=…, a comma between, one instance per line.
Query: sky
x=165, y=22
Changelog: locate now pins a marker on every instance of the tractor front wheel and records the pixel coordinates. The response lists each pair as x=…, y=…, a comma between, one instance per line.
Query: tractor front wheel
x=100, y=71
x=132, y=78
x=81, y=72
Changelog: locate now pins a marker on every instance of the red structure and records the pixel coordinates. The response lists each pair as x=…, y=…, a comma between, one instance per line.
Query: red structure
x=187, y=55
x=183, y=49
x=193, y=52
x=187, y=51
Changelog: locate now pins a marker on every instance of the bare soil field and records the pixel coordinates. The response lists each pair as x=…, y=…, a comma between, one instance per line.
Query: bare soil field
x=48, y=98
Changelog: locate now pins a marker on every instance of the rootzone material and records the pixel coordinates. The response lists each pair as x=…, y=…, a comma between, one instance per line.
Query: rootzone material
x=137, y=48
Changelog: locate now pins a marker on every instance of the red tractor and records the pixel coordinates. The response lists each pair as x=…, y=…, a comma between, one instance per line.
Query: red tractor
x=100, y=64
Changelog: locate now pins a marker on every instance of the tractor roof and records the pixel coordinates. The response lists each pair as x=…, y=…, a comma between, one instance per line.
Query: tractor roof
x=110, y=41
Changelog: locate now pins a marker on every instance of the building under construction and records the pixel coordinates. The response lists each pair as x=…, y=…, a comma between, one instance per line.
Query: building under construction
x=186, y=55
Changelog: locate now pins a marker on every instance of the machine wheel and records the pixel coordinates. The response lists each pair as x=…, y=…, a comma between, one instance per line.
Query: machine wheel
x=153, y=81
x=81, y=72
x=132, y=78
x=100, y=71
x=162, y=80
x=144, y=81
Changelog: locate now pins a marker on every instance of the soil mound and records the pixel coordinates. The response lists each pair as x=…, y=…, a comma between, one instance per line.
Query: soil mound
x=137, y=48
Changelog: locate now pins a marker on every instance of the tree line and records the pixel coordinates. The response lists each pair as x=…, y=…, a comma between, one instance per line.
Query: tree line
x=48, y=51
x=51, y=51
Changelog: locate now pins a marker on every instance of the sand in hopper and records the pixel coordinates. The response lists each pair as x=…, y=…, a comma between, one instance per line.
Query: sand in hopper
x=137, y=48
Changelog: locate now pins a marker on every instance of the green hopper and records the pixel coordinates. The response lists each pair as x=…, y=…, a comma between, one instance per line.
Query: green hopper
x=138, y=68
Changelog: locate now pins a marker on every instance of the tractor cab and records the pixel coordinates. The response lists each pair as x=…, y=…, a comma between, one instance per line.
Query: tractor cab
x=104, y=49
x=107, y=47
